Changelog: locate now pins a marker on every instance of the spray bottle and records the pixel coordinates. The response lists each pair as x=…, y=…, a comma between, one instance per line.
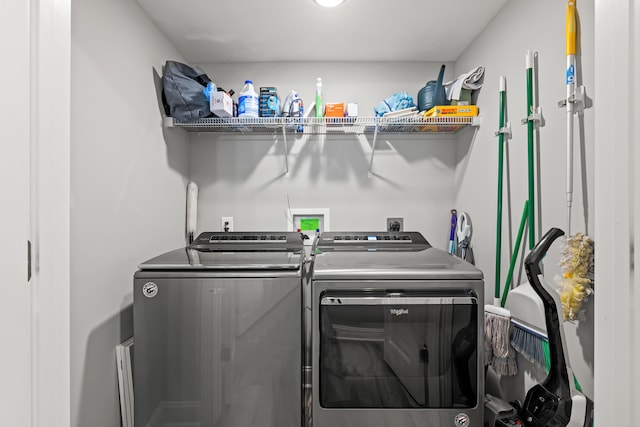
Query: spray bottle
x=319, y=101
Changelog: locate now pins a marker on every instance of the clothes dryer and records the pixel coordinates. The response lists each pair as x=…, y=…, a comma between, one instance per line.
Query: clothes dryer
x=396, y=333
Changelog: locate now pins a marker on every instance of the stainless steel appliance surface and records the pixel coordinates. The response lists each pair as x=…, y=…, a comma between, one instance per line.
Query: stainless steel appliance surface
x=395, y=334
x=218, y=333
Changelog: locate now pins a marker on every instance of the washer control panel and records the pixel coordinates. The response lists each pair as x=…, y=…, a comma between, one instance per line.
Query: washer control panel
x=247, y=241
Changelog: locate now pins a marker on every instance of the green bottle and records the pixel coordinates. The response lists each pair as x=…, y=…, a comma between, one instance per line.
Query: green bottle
x=319, y=102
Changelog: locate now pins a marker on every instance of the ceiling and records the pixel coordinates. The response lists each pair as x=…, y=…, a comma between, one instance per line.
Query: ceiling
x=208, y=31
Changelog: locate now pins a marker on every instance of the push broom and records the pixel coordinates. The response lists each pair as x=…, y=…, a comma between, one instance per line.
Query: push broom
x=526, y=339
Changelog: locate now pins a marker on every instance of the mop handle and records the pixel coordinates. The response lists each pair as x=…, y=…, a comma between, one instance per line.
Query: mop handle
x=571, y=27
x=530, y=63
x=503, y=88
x=516, y=250
x=571, y=30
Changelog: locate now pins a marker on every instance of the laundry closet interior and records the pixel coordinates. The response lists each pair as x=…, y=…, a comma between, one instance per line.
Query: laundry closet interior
x=130, y=166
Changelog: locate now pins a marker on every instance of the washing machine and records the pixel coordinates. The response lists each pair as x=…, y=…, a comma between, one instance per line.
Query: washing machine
x=218, y=333
x=396, y=334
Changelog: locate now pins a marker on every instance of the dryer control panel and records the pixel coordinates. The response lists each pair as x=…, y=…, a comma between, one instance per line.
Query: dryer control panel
x=373, y=239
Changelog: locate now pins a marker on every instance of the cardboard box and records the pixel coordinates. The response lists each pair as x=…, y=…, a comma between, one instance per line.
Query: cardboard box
x=352, y=109
x=465, y=98
x=334, y=110
x=452, y=111
x=221, y=104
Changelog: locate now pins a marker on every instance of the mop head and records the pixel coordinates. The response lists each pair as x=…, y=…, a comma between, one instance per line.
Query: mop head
x=576, y=283
x=497, y=344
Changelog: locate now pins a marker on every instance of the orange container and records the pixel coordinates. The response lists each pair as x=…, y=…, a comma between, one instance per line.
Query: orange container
x=452, y=111
x=334, y=110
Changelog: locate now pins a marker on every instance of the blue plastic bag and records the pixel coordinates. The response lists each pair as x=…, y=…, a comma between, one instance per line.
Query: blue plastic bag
x=397, y=101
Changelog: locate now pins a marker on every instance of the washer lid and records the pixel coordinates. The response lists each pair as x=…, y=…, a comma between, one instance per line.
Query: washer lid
x=234, y=251
x=412, y=259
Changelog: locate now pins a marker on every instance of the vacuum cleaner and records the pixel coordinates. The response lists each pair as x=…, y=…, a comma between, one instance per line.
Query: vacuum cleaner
x=555, y=402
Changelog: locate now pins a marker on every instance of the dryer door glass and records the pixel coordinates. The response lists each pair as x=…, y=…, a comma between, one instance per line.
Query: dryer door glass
x=398, y=351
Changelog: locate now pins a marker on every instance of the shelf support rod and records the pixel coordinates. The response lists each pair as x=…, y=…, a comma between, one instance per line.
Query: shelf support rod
x=286, y=151
x=373, y=148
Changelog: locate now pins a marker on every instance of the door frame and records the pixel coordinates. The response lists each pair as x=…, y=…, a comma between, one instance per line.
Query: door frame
x=50, y=76
x=617, y=204
x=15, y=293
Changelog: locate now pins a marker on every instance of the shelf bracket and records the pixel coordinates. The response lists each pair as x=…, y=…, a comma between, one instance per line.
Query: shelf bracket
x=373, y=148
x=167, y=121
x=286, y=151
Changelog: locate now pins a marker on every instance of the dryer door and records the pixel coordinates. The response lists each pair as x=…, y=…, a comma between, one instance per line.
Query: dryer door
x=398, y=350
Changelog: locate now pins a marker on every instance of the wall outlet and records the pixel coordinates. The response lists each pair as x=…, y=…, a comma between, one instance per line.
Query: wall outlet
x=395, y=224
x=226, y=223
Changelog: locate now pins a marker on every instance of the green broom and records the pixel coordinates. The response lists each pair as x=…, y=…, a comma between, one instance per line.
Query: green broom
x=529, y=341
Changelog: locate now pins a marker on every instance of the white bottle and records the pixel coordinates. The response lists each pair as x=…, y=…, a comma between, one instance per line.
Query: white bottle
x=319, y=101
x=248, y=101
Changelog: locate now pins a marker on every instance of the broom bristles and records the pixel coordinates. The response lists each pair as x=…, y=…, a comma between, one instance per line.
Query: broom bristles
x=531, y=344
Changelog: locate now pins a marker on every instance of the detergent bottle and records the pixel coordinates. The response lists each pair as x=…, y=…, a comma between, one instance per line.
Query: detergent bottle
x=248, y=101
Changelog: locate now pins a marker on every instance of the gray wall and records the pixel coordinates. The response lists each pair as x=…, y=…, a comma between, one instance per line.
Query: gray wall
x=128, y=183
x=536, y=26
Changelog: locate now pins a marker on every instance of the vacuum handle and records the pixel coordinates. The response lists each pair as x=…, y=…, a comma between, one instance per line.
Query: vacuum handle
x=557, y=380
x=532, y=262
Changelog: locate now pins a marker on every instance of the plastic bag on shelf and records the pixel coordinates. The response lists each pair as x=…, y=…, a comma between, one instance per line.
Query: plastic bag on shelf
x=397, y=101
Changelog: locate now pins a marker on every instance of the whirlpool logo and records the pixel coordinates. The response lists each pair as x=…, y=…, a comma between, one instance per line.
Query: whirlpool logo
x=399, y=311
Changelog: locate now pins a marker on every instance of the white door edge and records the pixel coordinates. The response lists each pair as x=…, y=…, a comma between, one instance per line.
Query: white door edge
x=50, y=205
x=617, y=204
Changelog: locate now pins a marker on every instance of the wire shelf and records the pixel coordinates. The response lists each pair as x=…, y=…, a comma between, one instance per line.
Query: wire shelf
x=326, y=125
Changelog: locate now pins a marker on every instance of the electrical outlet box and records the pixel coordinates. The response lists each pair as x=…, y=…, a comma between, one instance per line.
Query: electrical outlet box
x=226, y=223
x=309, y=222
x=395, y=224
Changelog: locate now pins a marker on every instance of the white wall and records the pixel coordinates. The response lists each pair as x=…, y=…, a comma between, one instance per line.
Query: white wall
x=128, y=180
x=244, y=177
x=128, y=174
x=501, y=48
